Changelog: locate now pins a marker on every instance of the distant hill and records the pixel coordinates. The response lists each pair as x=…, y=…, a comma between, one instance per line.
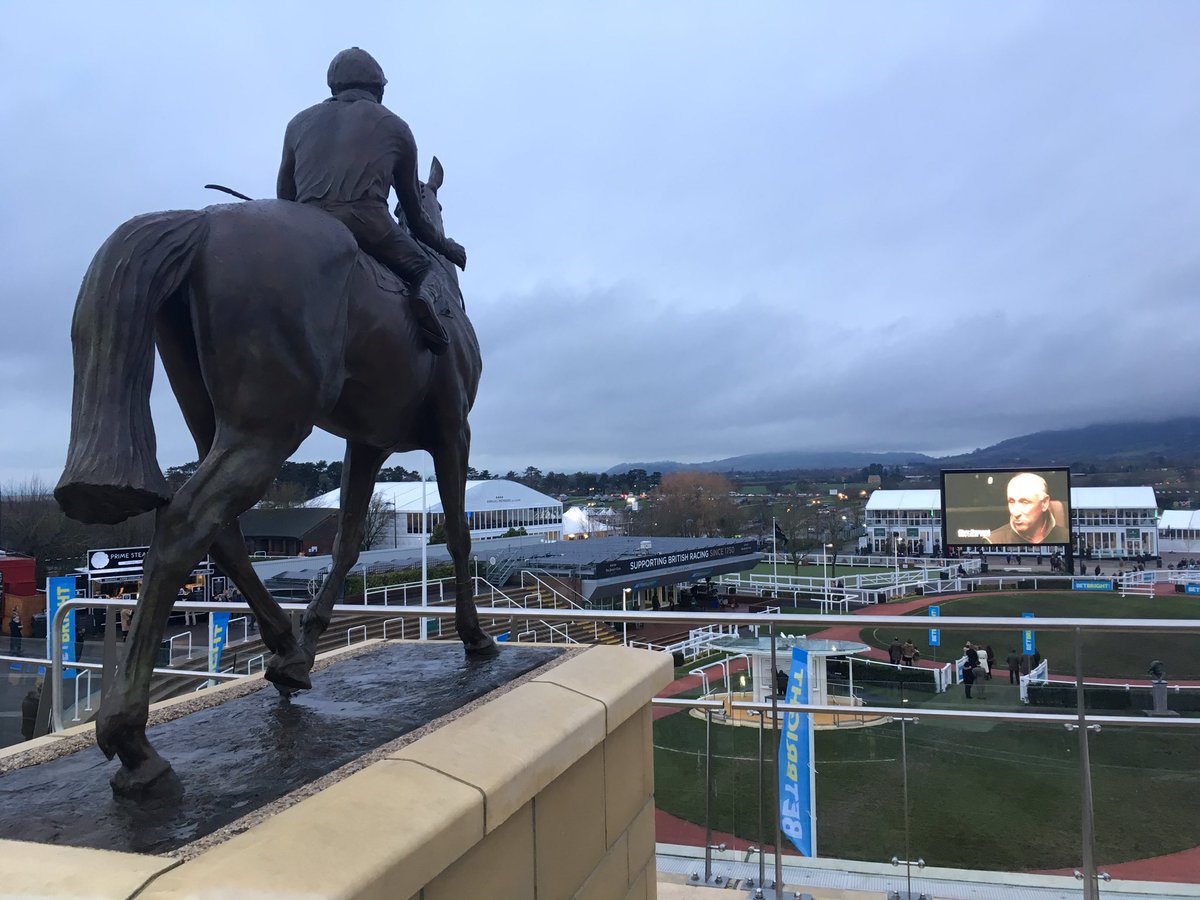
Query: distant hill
x=1176, y=441
x=785, y=461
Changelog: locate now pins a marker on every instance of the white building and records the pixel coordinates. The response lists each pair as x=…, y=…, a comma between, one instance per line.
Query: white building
x=1179, y=531
x=494, y=508
x=1106, y=522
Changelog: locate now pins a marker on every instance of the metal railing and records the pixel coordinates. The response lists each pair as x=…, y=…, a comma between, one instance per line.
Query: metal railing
x=1081, y=720
x=171, y=645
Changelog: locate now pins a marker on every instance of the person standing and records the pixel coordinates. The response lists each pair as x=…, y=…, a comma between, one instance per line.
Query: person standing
x=1014, y=666
x=968, y=678
x=126, y=621
x=991, y=660
x=909, y=654
x=895, y=651
x=14, y=632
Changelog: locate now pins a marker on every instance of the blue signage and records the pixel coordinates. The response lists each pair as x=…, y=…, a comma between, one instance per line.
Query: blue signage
x=58, y=591
x=797, y=813
x=935, y=634
x=1027, y=645
x=1091, y=584
x=218, y=632
x=1191, y=588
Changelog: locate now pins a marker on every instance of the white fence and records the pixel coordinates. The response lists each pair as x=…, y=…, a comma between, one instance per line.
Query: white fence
x=1039, y=675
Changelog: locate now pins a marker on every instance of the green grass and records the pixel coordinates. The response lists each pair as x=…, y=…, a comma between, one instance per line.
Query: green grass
x=982, y=795
x=1106, y=654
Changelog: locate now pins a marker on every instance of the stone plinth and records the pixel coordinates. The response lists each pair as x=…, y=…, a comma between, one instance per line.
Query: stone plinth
x=547, y=787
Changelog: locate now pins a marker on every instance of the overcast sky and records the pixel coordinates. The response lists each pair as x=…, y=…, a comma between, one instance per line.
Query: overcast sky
x=695, y=229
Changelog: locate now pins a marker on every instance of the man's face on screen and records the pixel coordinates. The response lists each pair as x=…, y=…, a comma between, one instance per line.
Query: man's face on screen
x=1028, y=506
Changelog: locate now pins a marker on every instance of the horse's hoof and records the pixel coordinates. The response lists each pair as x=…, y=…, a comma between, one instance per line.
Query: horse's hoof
x=151, y=778
x=482, y=647
x=289, y=673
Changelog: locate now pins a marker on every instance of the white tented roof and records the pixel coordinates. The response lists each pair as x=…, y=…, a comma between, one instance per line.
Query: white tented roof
x=1113, y=498
x=1081, y=498
x=1180, y=519
x=578, y=520
x=903, y=500
x=481, y=496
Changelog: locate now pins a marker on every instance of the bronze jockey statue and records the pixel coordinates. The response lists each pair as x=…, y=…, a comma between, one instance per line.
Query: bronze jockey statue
x=344, y=155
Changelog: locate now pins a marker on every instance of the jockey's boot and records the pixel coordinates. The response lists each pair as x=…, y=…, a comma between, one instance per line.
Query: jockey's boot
x=433, y=333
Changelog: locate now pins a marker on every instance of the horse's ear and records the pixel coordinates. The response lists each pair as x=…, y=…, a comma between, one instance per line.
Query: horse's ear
x=435, y=175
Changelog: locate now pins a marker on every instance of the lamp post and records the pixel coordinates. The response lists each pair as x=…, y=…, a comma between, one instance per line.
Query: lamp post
x=625, y=625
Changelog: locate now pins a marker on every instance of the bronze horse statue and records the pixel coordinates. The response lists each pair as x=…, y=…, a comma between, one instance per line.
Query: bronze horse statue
x=270, y=322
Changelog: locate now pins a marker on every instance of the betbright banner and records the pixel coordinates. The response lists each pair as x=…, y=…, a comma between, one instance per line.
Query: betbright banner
x=58, y=591
x=797, y=788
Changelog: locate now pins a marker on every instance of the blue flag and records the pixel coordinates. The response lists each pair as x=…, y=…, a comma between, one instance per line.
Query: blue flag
x=797, y=815
x=58, y=591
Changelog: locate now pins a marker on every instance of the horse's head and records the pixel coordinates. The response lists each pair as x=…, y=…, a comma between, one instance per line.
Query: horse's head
x=429, y=200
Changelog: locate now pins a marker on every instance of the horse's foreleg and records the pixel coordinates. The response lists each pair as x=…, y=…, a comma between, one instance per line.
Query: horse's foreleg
x=288, y=665
x=450, y=463
x=361, y=466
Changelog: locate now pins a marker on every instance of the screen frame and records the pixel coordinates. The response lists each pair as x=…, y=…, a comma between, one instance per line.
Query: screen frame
x=1009, y=471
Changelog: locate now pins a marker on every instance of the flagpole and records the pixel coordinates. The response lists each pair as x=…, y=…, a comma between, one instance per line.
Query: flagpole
x=775, y=552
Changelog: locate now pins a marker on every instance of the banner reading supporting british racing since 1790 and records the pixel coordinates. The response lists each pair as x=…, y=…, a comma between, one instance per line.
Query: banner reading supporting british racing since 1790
x=797, y=788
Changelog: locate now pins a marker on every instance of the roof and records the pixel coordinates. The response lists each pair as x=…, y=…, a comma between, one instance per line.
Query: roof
x=586, y=554
x=494, y=493
x=1113, y=498
x=292, y=522
x=925, y=500
x=1180, y=519
x=1081, y=498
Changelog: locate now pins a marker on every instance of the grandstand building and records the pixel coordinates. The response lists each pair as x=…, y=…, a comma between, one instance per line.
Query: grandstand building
x=1106, y=522
x=495, y=508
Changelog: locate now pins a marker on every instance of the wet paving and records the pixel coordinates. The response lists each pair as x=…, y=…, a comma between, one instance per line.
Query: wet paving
x=248, y=752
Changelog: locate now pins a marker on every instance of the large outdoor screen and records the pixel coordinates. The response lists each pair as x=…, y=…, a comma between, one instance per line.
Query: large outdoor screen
x=1006, y=507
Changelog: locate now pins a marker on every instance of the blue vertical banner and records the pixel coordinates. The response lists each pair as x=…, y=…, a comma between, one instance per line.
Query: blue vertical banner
x=935, y=634
x=58, y=591
x=218, y=630
x=1027, y=645
x=797, y=809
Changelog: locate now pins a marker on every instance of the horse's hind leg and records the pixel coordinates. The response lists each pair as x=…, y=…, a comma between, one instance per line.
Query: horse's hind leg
x=450, y=463
x=229, y=480
x=288, y=666
x=361, y=466
x=177, y=345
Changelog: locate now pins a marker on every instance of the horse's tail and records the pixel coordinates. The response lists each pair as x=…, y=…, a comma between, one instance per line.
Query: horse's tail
x=112, y=468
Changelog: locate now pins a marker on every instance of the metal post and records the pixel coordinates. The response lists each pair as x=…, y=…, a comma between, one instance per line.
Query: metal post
x=1091, y=887
x=904, y=768
x=707, y=796
x=762, y=836
x=424, y=546
x=624, y=625
x=109, y=657
x=778, y=736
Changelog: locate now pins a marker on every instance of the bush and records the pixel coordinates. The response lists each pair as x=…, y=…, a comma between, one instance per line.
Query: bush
x=838, y=669
x=1113, y=698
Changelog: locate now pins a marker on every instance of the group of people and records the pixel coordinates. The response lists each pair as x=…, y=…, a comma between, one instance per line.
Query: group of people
x=903, y=654
x=977, y=670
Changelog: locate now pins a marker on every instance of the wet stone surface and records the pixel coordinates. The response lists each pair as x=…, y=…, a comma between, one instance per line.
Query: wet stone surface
x=248, y=752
